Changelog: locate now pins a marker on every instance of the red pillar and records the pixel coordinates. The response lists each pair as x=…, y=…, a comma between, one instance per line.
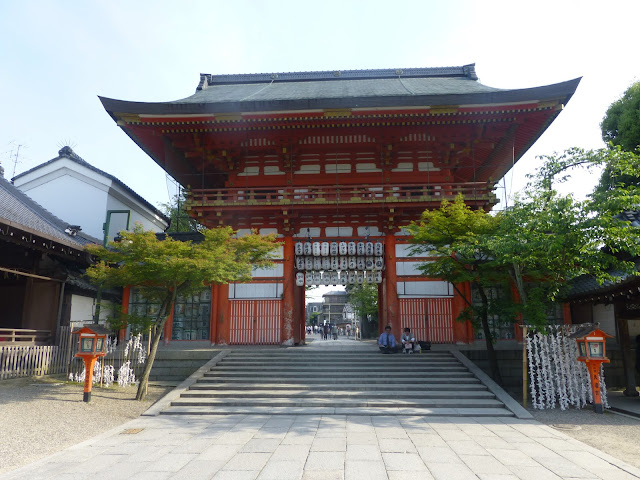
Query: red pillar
x=381, y=308
x=460, y=331
x=126, y=295
x=167, y=331
x=391, y=287
x=299, y=317
x=224, y=322
x=288, y=307
x=213, y=324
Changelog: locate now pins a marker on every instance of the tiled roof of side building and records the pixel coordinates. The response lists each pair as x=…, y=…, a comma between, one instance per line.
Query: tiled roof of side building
x=67, y=152
x=403, y=87
x=21, y=211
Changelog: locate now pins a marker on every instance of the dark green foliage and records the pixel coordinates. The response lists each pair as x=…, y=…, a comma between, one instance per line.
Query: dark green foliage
x=621, y=123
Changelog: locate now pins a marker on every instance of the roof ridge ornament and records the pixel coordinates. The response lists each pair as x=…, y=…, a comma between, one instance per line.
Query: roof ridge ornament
x=207, y=80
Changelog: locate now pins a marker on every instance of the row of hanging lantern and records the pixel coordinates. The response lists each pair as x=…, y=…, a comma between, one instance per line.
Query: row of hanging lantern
x=338, y=278
x=340, y=263
x=325, y=249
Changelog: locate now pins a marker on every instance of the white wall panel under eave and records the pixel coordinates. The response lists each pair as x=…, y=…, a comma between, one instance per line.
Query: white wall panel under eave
x=82, y=309
x=408, y=268
x=277, y=271
x=604, y=315
x=255, y=290
x=435, y=288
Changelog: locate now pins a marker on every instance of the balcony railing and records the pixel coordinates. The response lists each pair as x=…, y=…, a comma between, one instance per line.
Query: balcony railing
x=343, y=195
x=24, y=336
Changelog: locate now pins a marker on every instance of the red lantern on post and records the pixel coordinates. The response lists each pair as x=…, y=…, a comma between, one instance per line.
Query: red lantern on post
x=91, y=345
x=592, y=350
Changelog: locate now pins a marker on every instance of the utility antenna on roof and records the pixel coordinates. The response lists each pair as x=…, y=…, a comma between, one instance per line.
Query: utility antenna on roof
x=15, y=162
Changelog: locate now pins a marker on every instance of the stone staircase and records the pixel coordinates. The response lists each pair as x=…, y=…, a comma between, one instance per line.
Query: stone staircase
x=301, y=381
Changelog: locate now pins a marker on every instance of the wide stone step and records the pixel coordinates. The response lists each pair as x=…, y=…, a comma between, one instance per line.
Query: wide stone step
x=339, y=357
x=469, y=379
x=373, y=353
x=382, y=374
x=405, y=360
x=314, y=370
x=299, y=393
x=448, y=402
x=222, y=387
x=319, y=411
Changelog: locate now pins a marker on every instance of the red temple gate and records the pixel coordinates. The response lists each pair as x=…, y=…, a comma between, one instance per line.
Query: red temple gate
x=338, y=158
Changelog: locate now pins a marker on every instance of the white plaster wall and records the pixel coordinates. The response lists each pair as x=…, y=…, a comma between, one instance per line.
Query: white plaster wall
x=255, y=290
x=139, y=214
x=604, y=315
x=434, y=288
x=82, y=309
x=71, y=199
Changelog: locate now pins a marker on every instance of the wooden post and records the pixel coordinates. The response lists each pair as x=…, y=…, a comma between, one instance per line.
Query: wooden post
x=391, y=286
x=525, y=367
x=288, y=302
x=213, y=325
x=224, y=322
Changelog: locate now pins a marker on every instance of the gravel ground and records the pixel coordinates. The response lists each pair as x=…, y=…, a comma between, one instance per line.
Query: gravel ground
x=41, y=417
x=617, y=435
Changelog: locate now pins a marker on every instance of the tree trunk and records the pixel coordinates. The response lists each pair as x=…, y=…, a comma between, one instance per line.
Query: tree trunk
x=157, y=331
x=625, y=349
x=488, y=337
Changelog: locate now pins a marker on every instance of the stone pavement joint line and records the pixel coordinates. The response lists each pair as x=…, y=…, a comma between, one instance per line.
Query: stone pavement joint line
x=304, y=447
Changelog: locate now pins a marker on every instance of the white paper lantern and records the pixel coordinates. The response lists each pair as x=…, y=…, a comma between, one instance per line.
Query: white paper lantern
x=344, y=278
x=359, y=278
x=370, y=278
x=378, y=277
x=344, y=263
x=333, y=248
x=368, y=263
x=317, y=263
x=300, y=263
x=360, y=248
x=300, y=279
x=326, y=263
x=378, y=249
x=351, y=278
x=299, y=248
x=317, y=278
x=360, y=263
x=368, y=248
x=308, y=248
x=326, y=278
x=308, y=263
x=316, y=249
x=351, y=248
x=334, y=278
x=353, y=263
x=324, y=249
x=308, y=278
x=342, y=248
x=378, y=263
x=335, y=263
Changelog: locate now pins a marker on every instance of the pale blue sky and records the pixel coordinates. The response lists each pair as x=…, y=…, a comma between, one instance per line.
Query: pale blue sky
x=57, y=57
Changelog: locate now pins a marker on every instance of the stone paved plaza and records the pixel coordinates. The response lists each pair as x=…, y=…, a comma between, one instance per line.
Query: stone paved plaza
x=330, y=447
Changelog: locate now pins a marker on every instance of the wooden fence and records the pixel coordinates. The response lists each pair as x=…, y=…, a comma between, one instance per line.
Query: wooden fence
x=36, y=360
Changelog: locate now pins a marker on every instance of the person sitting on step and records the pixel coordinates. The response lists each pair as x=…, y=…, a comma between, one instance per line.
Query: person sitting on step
x=387, y=342
x=408, y=341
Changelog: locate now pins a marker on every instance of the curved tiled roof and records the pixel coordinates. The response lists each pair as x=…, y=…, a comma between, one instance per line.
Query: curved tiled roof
x=20, y=211
x=340, y=89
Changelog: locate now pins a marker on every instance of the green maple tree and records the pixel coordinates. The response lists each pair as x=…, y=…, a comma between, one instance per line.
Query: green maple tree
x=164, y=269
